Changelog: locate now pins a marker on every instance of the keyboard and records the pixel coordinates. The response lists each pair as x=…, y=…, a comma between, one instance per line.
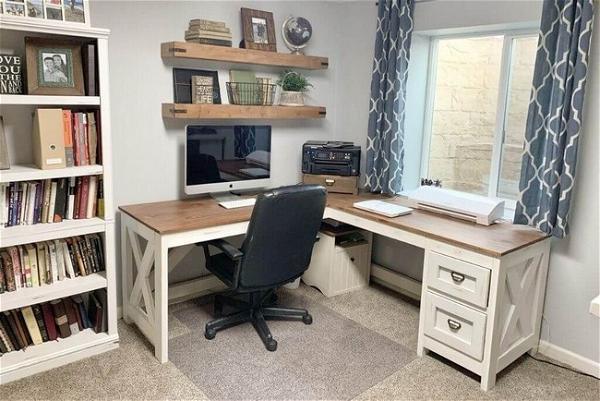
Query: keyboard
x=383, y=208
x=233, y=204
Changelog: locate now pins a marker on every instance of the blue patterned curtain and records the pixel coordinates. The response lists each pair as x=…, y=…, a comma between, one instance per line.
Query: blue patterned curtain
x=555, y=115
x=385, y=140
x=245, y=140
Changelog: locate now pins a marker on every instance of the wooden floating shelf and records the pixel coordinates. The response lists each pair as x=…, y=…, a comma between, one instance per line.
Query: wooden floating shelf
x=232, y=111
x=196, y=51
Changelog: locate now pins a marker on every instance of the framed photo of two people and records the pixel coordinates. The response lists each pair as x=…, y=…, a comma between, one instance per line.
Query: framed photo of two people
x=54, y=67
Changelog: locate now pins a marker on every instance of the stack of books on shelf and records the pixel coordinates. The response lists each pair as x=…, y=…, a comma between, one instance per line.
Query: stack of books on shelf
x=208, y=32
x=74, y=136
x=47, y=262
x=51, y=201
x=61, y=318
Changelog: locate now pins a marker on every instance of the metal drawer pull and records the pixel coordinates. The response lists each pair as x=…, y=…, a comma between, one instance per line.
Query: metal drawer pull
x=329, y=181
x=457, y=277
x=454, y=325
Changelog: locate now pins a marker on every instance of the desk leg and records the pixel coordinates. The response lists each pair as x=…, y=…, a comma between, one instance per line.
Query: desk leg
x=126, y=267
x=161, y=296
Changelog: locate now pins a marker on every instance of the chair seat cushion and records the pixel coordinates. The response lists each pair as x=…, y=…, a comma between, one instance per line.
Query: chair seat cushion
x=222, y=267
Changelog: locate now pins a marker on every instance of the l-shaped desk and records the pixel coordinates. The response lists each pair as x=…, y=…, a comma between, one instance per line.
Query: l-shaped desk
x=482, y=293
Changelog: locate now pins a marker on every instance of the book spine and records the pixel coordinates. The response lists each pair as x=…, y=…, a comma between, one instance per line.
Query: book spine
x=77, y=203
x=18, y=199
x=207, y=22
x=60, y=318
x=52, y=206
x=85, y=188
x=32, y=327
x=39, y=318
x=85, y=142
x=49, y=322
x=33, y=262
x=92, y=137
x=70, y=198
x=25, y=266
x=53, y=261
x=206, y=27
x=10, y=330
x=47, y=186
x=91, y=203
x=24, y=203
x=17, y=269
x=8, y=271
x=67, y=260
x=212, y=42
x=68, y=137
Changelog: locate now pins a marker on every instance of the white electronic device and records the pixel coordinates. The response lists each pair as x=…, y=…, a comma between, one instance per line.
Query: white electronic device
x=384, y=208
x=476, y=208
x=234, y=204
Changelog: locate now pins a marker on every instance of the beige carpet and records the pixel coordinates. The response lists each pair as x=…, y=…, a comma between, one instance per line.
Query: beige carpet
x=132, y=373
x=334, y=358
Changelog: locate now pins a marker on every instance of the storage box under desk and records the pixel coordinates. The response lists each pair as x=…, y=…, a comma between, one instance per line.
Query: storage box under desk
x=338, y=267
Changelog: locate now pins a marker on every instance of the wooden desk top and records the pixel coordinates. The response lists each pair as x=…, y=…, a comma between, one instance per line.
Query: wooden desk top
x=496, y=240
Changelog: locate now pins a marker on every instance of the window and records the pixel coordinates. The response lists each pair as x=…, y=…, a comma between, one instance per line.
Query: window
x=477, y=109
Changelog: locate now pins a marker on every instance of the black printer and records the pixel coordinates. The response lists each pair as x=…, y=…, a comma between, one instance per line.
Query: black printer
x=332, y=158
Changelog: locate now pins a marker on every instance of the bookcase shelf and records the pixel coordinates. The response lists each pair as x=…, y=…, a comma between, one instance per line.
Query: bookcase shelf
x=232, y=111
x=37, y=358
x=18, y=235
x=31, y=172
x=41, y=100
x=195, y=51
x=61, y=289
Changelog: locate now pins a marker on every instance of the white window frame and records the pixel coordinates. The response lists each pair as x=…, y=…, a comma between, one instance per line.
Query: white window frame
x=501, y=104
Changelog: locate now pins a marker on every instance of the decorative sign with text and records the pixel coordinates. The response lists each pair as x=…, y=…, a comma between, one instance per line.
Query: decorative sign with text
x=11, y=81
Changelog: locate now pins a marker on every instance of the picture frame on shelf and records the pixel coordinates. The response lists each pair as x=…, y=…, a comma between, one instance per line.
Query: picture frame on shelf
x=182, y=85
x=47, y=12
x=54, y=67
x=11, y=74
x=258, y=30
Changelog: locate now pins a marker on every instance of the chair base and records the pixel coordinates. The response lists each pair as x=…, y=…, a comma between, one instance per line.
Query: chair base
x=256, y=312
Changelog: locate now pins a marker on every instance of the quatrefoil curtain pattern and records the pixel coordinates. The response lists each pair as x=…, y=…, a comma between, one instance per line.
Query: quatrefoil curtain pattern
x=385, y=139
x=555, y=115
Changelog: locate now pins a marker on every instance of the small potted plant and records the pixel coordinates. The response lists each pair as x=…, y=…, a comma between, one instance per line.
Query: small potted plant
x=293, y=85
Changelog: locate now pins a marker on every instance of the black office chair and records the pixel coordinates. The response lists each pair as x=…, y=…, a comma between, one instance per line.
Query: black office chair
x=277, y=250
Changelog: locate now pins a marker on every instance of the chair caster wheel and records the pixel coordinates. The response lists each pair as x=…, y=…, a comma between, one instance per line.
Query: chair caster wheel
x=307, y=319
x=271, y=345
x=209, y=334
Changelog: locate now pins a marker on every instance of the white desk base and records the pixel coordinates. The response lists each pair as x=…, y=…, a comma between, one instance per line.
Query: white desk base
x=498, y=305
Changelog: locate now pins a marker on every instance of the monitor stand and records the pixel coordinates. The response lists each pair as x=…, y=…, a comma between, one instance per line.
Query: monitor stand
x=234, y=195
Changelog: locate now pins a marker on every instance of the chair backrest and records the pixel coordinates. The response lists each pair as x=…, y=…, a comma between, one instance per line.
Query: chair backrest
x=281, y=234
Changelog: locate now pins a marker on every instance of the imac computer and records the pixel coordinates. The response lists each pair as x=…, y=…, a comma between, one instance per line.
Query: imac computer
x=224, y=158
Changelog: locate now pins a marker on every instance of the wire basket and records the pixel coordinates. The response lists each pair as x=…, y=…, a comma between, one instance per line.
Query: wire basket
x=248, y=93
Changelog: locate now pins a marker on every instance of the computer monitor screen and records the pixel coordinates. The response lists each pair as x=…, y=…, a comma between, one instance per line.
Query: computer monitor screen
x=225, y=158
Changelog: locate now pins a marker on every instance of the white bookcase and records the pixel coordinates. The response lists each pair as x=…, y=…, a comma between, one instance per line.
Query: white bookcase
x=16, y=110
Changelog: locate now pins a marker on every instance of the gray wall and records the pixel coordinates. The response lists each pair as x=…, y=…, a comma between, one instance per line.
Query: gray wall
x=148, y=151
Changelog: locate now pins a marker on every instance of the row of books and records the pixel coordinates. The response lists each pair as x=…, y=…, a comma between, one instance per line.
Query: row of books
x=51, y=201
x=208, y=32
x=46, y=262
x=65, y=138
x=61, y=318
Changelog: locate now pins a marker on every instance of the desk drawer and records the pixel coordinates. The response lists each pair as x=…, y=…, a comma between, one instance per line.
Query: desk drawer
x=455, y=325
x=459, y=279
x=333, y=183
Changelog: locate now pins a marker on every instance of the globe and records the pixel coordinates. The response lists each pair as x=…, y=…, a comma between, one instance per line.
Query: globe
x=296, y=32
